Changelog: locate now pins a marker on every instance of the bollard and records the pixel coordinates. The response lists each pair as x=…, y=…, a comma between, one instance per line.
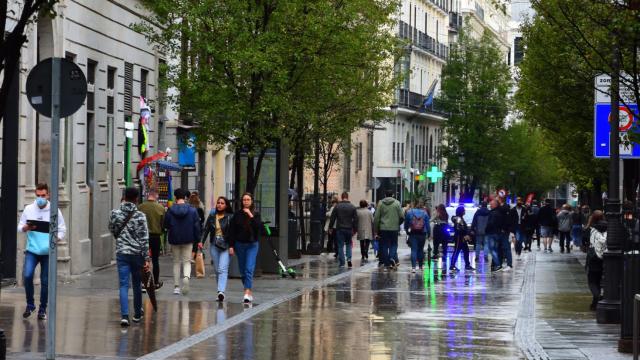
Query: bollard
x=636, y=313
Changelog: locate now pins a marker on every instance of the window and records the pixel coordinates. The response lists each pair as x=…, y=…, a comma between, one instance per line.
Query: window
x=393, y=150
x=346, y=174
x=370, y=159
x=402, y=152
x=518, y=50
x=128, y=89
x=111, y=85
x=144, y=75
x=359, y=156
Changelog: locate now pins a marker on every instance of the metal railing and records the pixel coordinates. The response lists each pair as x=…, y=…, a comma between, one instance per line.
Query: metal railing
x=422, y=41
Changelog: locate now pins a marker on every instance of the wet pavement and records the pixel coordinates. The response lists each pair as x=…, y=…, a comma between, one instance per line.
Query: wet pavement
x=331, y=313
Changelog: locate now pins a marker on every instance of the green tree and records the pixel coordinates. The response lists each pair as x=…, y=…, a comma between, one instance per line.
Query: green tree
x=252, y=73
x=475, y=84
x=11, y=44
x=555, y=93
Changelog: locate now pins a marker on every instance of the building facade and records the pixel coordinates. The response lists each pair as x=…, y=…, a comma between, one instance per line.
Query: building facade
x=120, y=67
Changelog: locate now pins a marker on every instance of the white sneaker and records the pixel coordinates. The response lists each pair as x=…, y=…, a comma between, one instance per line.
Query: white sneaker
x=176, y=291
x=247, y=299
x=413, y=270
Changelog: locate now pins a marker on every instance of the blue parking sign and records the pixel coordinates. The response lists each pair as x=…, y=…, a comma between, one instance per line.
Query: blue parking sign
x=601, y=131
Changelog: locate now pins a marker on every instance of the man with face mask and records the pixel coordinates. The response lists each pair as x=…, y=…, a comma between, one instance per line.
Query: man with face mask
x=35, y=222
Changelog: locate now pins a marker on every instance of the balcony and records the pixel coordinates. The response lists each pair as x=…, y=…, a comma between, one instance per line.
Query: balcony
x=422, y=41
x=455, y=21
x=414, y=101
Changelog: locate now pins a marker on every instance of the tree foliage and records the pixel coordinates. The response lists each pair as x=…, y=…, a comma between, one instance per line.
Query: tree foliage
x=475, y=84
x=255, y=72
x=21, y=13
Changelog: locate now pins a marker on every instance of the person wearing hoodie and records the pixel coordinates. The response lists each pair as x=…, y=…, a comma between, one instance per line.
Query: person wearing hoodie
x=129, y=227
x=565, y=223
x=35, y=222
x=387, y=221
x=462, y=236
x=478, y=227
x=597, y=247
x=183, y=225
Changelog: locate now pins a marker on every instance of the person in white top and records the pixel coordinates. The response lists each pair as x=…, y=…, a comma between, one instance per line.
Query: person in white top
x=35, y=222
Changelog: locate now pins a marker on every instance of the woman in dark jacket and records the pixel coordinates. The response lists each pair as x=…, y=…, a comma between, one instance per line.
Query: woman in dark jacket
x=217, y=228
x=244, y=231
x=597, y=247
x=462, y=236
x=440, y=234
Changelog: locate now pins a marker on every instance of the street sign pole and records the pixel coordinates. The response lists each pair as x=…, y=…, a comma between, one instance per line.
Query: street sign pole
x=53, y=210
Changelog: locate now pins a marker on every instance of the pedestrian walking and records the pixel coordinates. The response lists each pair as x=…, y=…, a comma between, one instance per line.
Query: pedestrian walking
x=462, y=237
x=244, y=236
x=217, y=227
x=365, y=229
x=597, y=246
x=128, y=226
x=577, y=224
x=331, y=235
x=478, y=228
x=565, y=224
x=183, y=225
x=154, y=213
x=518, y=222
x=547, y=221
x=534, y=221
x=440, y=224
x=507, y=227
x=529, y=227
x=194, y=201
x=345, y=218
x=493, y=232
x=34, y=221
x=387, y=221
x=585, y=215
x=416, y=224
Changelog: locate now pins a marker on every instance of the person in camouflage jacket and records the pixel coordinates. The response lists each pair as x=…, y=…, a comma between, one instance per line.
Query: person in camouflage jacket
x=132, y=251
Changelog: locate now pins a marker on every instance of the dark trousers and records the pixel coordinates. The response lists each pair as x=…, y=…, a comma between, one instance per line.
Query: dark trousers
x=461, y=245
x=440, y=237
x=364, y=248
x=154, y=246
x=594, y=278
x=538, y=235
x=565, y=236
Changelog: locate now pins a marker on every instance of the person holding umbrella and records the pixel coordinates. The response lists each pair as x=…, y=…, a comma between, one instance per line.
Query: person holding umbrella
x=129, y=227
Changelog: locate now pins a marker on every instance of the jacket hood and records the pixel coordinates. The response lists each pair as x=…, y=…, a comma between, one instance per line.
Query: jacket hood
x=600, y=226
x=180, y=210
x=127, y=206
x=388, y=200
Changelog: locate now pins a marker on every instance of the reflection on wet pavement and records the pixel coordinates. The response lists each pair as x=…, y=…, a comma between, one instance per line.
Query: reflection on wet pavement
x=381, y=315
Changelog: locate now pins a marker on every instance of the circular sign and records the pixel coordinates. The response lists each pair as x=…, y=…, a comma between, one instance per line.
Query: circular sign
x=502, y=192
x=626, y=118
x=73, y=87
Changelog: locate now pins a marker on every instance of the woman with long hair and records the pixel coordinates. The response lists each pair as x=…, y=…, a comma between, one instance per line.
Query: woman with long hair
x=245, y=230
x=440, y=222
x=194, y=202
x=217, y=226
x=365, y=229
x=597, y=247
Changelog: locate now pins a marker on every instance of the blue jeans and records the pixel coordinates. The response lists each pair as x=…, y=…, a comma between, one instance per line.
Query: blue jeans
x=576, y=235
x=417, y=241
x=343, y=237
x=220, y=261
x=31, y=260
x=521, y=237
x=494, y=243
x=506, y=248
x=247, y=253
x=388, y=246
x=481, y=243
x=130, y=265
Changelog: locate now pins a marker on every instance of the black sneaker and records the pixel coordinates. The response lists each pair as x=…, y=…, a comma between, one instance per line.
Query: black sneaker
x=159, y=285
x=469, y=267
x=137, y=318
x=42, y=314
x=27, y=312
x=496, y=269
x=349, y=264
x=453, y=269
x=124, y=322
x=220, y=296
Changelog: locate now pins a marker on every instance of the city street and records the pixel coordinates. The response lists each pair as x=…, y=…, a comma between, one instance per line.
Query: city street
x=327, y=313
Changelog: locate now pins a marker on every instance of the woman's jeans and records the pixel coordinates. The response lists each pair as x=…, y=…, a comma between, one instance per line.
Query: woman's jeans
x=594, y=278
x=247, y=254
x=417, y=242
x=576, y=235
x=31, y=260
x=220, y=262
x=130, y=265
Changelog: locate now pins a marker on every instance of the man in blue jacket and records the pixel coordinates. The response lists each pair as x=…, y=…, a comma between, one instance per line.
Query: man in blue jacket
x=183, y=225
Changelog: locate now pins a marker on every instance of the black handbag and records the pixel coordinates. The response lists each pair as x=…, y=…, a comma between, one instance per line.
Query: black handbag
x=220, y=243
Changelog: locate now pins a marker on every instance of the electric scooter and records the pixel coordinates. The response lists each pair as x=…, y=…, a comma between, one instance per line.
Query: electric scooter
x=283, y=270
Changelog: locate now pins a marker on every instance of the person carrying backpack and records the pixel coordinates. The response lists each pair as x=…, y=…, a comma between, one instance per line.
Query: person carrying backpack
x=416, y=223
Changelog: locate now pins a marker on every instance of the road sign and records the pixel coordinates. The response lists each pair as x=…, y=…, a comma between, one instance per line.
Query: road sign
x=73, y=87
x=601, y=132
x=501, y=192
x=603, y=83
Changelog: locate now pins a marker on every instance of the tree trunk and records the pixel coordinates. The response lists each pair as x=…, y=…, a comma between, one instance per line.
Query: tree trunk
x=292, y=176
x=300, y=189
